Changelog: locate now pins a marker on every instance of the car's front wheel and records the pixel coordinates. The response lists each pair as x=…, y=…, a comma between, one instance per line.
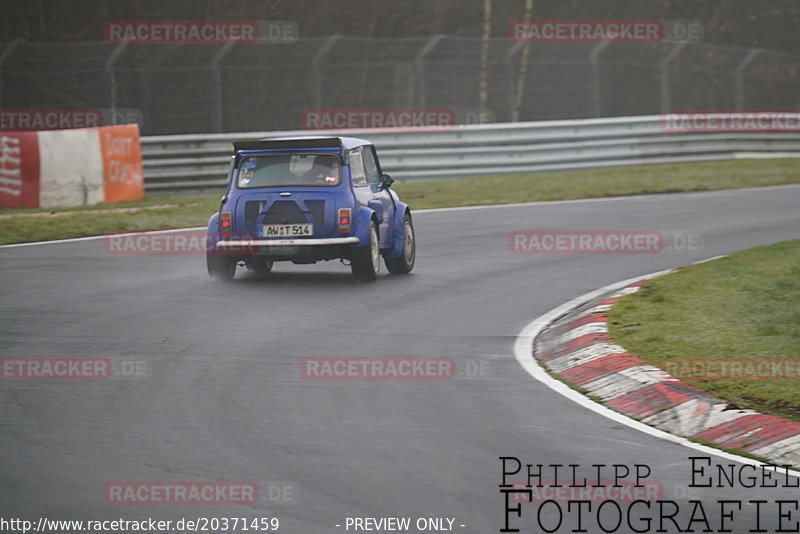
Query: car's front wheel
x=366, y=261
x=405, y=261
x=220, y=266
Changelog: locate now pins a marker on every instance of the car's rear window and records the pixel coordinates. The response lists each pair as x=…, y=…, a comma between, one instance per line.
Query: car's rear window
x=280, y=170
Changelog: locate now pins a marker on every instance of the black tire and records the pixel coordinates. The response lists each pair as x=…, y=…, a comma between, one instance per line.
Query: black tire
x=258, y=265
x=220, y=266
x=405, y=262
x=365, y=262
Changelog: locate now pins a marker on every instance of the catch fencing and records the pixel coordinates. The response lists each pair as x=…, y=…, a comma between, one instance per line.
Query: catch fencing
x=204, y=88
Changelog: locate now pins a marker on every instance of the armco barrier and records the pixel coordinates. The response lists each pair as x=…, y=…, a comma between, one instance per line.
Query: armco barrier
x=70, y=167
x=185, y=162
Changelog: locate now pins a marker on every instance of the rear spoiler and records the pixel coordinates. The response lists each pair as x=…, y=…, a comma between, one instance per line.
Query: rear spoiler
x=273, y=144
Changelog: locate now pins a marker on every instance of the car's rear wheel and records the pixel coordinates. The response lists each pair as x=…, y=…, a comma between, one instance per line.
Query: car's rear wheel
x=259, y=265
x=405, y=261
x=220, y=266
x=366, y=261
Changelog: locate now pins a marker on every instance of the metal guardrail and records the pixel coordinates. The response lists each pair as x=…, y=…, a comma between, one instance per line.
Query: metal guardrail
x=175, y=163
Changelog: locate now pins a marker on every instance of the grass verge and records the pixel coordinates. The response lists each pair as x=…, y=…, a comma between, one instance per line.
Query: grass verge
x=743, y=308
x=619, y=181
x=25, y=225
x=151, y=214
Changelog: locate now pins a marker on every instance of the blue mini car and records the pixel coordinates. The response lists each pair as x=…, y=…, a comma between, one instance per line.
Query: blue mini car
x=308, y=199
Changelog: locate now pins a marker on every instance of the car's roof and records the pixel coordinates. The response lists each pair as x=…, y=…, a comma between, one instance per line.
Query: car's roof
x=346, y=142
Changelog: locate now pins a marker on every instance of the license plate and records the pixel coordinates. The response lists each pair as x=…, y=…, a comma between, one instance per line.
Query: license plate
x=286, y=230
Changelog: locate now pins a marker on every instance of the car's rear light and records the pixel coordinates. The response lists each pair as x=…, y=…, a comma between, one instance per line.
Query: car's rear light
x=225, y=226
x=344, y=220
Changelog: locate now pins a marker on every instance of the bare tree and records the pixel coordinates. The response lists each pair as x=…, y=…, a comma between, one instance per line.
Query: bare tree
x=483, y=91
x=519, y=90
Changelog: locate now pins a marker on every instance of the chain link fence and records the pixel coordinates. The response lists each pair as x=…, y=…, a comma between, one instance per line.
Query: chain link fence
x=208, y=88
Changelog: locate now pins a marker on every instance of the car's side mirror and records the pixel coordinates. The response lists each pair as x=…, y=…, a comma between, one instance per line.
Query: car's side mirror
x=386, y=181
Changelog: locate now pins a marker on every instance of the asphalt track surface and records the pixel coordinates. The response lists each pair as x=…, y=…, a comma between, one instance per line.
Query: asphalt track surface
x=223, y=398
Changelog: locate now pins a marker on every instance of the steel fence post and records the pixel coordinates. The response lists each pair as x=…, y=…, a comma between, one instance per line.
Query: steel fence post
x=3, y=57
x=108, y=67
x=666, y=89
x=316, y=75
x=512, y=93
x=594, y=57
x=738, y=77
x=419, y=65
x=215, y=61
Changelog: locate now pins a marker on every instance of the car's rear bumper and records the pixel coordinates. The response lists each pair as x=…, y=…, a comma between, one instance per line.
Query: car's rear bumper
x=240, y=243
